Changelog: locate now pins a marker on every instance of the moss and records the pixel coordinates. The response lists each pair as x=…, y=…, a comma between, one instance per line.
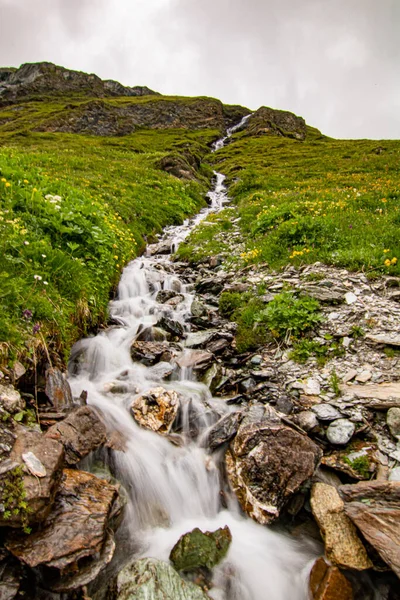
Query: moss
x=361, y=465
x=13, y=497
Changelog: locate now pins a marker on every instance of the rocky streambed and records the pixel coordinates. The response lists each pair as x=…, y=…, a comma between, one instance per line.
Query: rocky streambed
x=169, y=465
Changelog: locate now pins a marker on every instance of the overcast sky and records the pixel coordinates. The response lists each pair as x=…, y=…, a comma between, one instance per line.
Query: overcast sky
x=334, y=62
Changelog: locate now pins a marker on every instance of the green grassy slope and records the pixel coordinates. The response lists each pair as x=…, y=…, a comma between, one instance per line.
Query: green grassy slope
x=73, y=211
x=334, y=201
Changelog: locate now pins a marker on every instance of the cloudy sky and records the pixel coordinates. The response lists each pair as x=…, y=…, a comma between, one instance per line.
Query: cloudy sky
x=334, y=62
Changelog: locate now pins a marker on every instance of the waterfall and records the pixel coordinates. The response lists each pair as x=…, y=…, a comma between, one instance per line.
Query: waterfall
x=174, y=488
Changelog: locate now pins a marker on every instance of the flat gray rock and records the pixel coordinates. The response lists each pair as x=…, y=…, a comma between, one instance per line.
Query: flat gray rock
x=340, y=432
x=326, y=412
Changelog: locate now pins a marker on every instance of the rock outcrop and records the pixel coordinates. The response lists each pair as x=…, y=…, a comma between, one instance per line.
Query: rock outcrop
x=156, y=409
x=36, y=79
x=268, y=121
x=328, y=583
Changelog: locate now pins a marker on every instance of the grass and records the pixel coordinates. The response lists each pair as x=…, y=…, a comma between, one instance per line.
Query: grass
x=73, y=211
x=333, y=201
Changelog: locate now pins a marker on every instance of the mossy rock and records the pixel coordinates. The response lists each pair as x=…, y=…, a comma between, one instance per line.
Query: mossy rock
x=197, y=549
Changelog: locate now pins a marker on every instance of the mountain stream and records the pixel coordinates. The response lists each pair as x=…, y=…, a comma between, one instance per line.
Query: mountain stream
x=173, y=488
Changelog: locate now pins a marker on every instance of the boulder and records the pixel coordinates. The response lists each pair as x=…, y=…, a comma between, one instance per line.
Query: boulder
x=156, y=409
x=266, y=464
x=36, y=468
x=343, y=547
x=200, y=338
x=171, y=326
x=200, y=549
x=374, y=507
x=80, y=433
x=75, y=529
x=58, y=390
x=328, y=583
x=10, y=399
x=323, y=294
x=152, y=579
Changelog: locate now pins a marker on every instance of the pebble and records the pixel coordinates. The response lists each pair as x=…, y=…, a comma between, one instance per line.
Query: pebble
x=394, y=474
x=312, y=387
x=350, y=298
x=364, y=376
x=351, y=373
x=340, y=432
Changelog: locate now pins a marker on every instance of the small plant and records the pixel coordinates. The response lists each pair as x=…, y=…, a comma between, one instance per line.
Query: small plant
x=13, y=495
x=229, y=302
x=305, y=349
x=361, y=465
x=335, y=383
x=357, y=331
x=286, y=314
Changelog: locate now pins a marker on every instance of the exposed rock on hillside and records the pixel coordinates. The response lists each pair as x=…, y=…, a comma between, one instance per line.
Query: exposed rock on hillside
x=35, y=79
x=100, y=117
x=267, y=121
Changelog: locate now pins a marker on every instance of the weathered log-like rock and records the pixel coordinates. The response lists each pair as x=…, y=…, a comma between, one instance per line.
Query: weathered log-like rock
x=374, y=506
x=156, y=409
x=76, y=527
x=266, y=464
x=200, y=549
x=152, y=579
x=328, y=583
x=80, y=433
x=58, y=390
x=40, y=461
x=342, y=544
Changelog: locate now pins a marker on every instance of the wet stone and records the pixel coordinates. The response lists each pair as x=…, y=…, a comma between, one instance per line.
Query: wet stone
x=149, y=353
x=307, y=420
x=175, y=328
x=156, y=409
x=223, y=430
x=200, y=549
x=328, y=583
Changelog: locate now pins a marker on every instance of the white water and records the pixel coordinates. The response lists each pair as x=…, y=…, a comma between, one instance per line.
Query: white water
x=221, y=143
x=173, y=489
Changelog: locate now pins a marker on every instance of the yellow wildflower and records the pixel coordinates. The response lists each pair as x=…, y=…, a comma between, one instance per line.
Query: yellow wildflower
x=3, y=179
x=394, y=260
x=386, y=250
x=388, y=262
x=8, y=184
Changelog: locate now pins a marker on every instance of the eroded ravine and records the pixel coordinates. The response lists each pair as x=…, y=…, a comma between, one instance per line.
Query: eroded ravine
x=173, y=482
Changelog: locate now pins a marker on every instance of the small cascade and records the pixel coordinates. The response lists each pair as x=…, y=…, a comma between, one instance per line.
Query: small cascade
x=222, y=142
x=173, y=488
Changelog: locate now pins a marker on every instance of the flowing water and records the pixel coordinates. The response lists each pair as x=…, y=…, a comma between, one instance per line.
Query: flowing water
x=174, y=488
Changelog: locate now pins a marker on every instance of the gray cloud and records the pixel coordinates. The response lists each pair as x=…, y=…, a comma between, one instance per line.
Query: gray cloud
x=335, y=62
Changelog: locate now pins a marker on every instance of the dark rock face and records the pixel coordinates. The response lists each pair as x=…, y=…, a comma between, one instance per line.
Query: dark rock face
x=374, y=507
x=75, y=529
x=80, y=433
x=35, y=79
x=39, y=491
x=149, y=353
x=223, y=430
x=99, y=117
x=197, y=549
x=267, y=121
x=266, y=464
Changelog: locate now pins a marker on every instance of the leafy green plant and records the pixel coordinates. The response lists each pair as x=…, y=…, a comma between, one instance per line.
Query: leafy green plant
x=305, y=349
x=288, y=315
x=335, y=383
x=361, y=465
